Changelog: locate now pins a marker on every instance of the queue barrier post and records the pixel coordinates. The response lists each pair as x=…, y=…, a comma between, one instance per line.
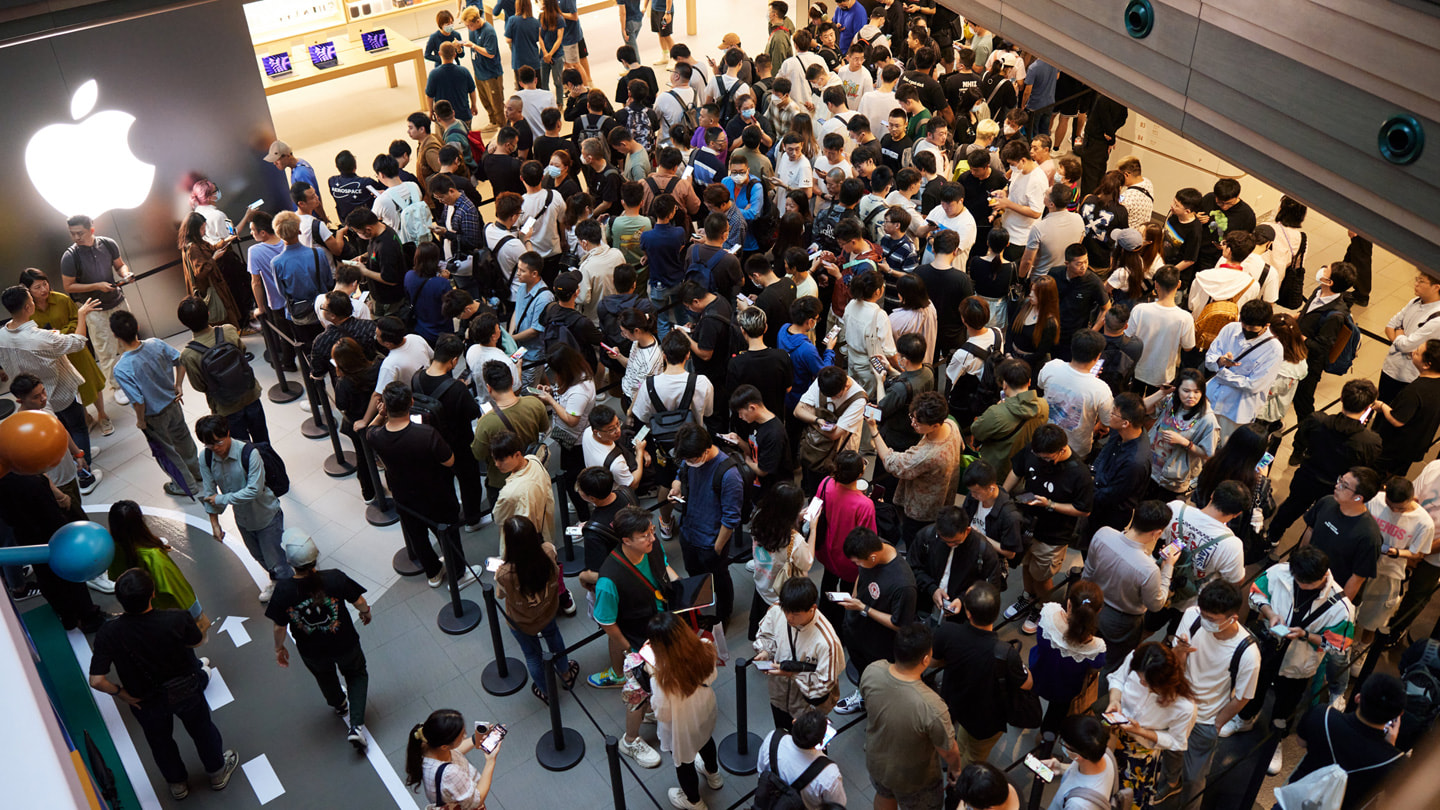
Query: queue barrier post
x=283, y=391
x=314, y=426
x=560, y=748
x=341, y=463
x=381, y=510
x=612, y=757
x=461, y=615
x=740, y=751
x=502, y=676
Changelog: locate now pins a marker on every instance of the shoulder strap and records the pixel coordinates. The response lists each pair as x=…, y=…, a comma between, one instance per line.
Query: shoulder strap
x=1239, y=655
x=500, y=412
x=246, y=451
x=775, y=751
x=1257, y=344
x=655, y=403
x=1317, y=612
x=688, y=397
x=840, y=410
x=804, y=779
x=439, y=772
x=1236, y=299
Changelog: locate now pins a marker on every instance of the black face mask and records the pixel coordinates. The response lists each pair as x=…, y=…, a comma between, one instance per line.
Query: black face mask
x=1251, y=334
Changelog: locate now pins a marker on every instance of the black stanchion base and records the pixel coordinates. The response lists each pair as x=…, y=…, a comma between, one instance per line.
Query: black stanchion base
x=376, y=516
x=289, y=392
x=468, y=620
x=554, y=759
x=572, y=567
x=494, y=684
x=404, y=565
x=735, y=762
x=340, y=466
x=852, y=673
x=310, y=430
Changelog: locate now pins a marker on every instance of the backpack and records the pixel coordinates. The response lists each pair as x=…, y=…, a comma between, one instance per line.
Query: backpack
x=485, y=269
x=703, y=272
x=415, y=219
x=557, y=330
x=458, y=136
x=1322, y=789
x=1215, y=316
x=774, y=793
x=689, y=116
x=1347, y=343
x=817, y=451
x=1422, y=694
x=1119, y=367
x=226, y=372
x=972, y=394
x=1292, y=283
x=724, y=100
x=733, y=458
x=664, y=422
x=1183, y=582
x=641, y=123
x=589, y=126
x=430, y=407
x=276, y=479
x=1120, y=798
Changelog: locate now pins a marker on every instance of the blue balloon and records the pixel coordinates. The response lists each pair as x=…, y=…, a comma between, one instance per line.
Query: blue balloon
x=81, y=550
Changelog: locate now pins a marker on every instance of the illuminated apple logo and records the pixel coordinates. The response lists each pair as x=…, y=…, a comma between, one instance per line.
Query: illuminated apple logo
x=87, y=167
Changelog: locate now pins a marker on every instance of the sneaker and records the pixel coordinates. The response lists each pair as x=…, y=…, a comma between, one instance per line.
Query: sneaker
x=266, y=592
x=304, y=404
x=1237, y=725
x=341, y=710
x=205, y=665
x=750, y=566
x=679, y=802
x=468, y=578
x=106, y=428
x=1338, y=704
x=179, y=790
x=485, y=520
x=850, y=705
x=714, y=780
x=641, y=752
x=88, y=481
x=120, y=398
x=606, y=680
x=1277, y=762
x=439, y=578
x=663, y=62
x=101, y=583
x=1031, y=623
x=567, y=603
x=1023, y=604
x=175, y=490
x=356, y=736
x=664, y=530
x=27, y=591
x=220, y=780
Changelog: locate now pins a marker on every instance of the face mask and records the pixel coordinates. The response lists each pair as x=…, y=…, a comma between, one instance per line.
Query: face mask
x=1320, y=275
x=552, y=171
x=1009, y=130
x=1251, y=333
x=218, y=195
x=1211, y=626
x=748, y=112
x=740, y=177
x=449, y=29
x=777, y=99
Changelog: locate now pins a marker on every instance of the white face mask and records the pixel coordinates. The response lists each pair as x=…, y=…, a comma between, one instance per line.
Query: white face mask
x=1211, y=626
x=449, y=29
x=553, y=171
x=740, y=177
x=1009, y=130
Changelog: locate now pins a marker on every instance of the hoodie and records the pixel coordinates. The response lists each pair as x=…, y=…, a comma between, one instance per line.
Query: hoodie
x=1007, y=426
x=1222, y=284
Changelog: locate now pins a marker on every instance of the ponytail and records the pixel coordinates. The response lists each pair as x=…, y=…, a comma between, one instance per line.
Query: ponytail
x=414, y=748
x=440, y=728
x=1083, y=607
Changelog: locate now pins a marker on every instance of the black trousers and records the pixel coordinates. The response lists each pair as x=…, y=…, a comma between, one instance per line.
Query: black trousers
x=1305, y=390
x=1305, y=490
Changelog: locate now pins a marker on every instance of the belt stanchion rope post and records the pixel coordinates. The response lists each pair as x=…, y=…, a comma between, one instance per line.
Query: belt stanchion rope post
x=739, y=751
x=560, y=748
x=313, y=427
x=503, y=676
x=461, y=615
x=381, y=510
x=342, y=462
x=612, y=756
x=283, y=391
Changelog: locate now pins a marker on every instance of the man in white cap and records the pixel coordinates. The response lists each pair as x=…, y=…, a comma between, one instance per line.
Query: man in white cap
x=282, y=157
x=310, y=606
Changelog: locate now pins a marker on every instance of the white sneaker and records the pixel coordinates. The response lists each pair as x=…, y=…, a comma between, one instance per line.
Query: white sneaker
x=641, y=752
x=101, y=583
x=437, y=580
x=266, y=592
x=679, y=802
x=468, y=578
x=205, y=665
x=750, y=566
x=120, y=398
x=304, y=404
x=714, y=780
x=1236, y=725
x=1022, y=604
x=851, y=705
x=1277, y=762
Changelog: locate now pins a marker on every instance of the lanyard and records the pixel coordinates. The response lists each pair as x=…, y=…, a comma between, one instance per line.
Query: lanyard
x=622, y=558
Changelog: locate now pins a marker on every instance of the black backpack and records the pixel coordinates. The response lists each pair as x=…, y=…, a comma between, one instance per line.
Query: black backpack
x=972, y=394
x=725, y=101
x=590, y=126
x=277, y=480
x=1119, y=368
x=664, y=422
x=558, y=330
x=733, y=458
x=485, y=268
x=1422, y=694
x=226, y=372
x=430, y=407
x=774, y=793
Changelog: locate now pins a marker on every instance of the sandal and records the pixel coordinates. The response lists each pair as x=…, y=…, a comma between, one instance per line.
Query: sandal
x=537, y=692
x=570, y=675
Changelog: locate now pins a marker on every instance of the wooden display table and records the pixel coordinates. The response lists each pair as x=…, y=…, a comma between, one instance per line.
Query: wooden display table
x=353, y=59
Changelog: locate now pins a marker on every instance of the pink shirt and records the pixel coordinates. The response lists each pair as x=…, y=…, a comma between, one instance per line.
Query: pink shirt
x=844, y=510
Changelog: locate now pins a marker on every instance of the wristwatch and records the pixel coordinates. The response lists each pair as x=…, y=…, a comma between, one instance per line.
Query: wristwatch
x=865, y=611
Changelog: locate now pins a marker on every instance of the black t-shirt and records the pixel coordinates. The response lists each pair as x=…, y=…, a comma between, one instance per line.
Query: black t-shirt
x=320, y=622
x=1182, y=242
x=1080, y=299
x=415, y=470
x=644, y=74
x=892, y=150
x=977, y=199
x=1418, y=406
x=971, y=688
x=1101, y=220
x=527, y=137
x=1067, y=482
x=387, y=257
x=351, y=192
x=888, y=588
x=956, y=84
x=1240, y=217
x=775, y=300
x=1353, y=543
x=726, y=278
x=352, y=392
x=598, y=540
x=771, y=446
x=545, y=146
x=712, y=331
x=1355, y=746
x=460, y=410
x=947, y=286
x=504, y=173
x=992, y=278
x=604, y=186
x=999, y=92
x=147, y=649
x=768, y=369
x=931, y=94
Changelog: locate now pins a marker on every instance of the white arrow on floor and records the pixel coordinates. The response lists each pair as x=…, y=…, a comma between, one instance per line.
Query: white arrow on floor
x=235, y=626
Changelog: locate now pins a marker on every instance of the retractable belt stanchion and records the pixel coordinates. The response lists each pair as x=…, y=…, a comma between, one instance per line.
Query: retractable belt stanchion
x=381, y=510
x=284, y=390
x=739, y=751
x=461, y=615
x=612, y=756
x=313, y=427
x=560, y=748
x=341, y=463
x=502, y=676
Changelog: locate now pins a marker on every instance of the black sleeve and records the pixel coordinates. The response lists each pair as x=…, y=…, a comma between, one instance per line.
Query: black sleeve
x=186, y=630
x=902, y=605
x=769, y=454
x=919, y=565
x=341, y=586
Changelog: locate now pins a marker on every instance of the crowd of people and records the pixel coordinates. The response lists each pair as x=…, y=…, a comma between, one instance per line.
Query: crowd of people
x=866, y=311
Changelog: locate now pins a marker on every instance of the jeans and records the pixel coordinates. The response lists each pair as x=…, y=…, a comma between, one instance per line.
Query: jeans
x=632, y=31
x=550, y=75
x=665, y=316
x=705, y=561
x=157, y=719
x=1204, y=739
x=351, y=666
x=102, y=340
x=248, y=423
x=264, y=545
x=999, y=310
x=168, y=429
x=73, y=418
x=535, y=657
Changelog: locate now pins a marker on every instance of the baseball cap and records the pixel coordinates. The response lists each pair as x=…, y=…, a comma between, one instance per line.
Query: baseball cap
x=300, y=550
x=731, y=40
x=1007, y=59
x=1129, y=239
x=278, y=149
x=1264, y=233
x=566, y=285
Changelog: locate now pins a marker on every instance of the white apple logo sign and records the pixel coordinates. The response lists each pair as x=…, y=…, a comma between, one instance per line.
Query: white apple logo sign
x=88, y=168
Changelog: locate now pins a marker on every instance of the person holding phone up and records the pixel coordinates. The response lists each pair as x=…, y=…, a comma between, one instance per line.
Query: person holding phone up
x=1153, y=707
x=435, y=760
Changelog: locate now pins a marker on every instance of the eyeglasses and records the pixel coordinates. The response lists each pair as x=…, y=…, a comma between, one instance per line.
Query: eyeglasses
x=1340, y=484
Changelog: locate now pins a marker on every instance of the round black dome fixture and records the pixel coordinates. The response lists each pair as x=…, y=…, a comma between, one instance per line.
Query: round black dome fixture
x=1402, y=139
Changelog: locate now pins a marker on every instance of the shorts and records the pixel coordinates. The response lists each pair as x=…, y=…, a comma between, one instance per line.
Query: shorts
x=930, y=798
x=570, y=53
x=634, y=693
x=660, y=27
x=584, y=51
x=1382, y=598
x=1043, y=561
x=1073, y=107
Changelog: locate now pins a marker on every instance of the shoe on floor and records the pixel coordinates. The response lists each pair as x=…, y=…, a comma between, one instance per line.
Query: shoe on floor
x=1277, y=762
x=663, y=62
x=106, y=427
x=1237, y=725
x=750, y=566
x=1338, y=704
x=679, y=802
x=266, y=592
x=567, y=603
x=205, y=665
x=120, y=398
x=341, y=710
x=1022, y=604
x=437, y=580
x=179, y=790
x=665, y=531
x=1031, y=623
x=27, y=591
x=89, y=481
x=484, y=520
x=714, y=780
x=356, y=736
x=101, y=583
x=220, y=780
x=850, y=705
x=467, y=578
x=171, y=488
x=640, y=751
x=606, y=680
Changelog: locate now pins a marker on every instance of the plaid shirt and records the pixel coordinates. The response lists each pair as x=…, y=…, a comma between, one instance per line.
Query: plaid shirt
x=42, y=352
x=465, y=223
x=899, y=254
x=361, y=330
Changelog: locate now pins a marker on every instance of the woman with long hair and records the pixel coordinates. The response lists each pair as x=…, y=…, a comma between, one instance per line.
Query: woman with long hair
x=570, y=395
x=843, y=506
x=1182, y=437
x=137, y=546
x=644, y=360
x=577, y=207
x=528, y=583
x=1130, y=282
x=522, y=35
x=1292, y=370
x=355, y=379
x=58, y=311
x=1036, y=327
x=426, y=285
x=1158, y=708
x=1287, y=252
x=780, y=550
x=441, y=742
x=1103, y=215
x=994, y=277
x=203, y=276
x=682, y=672
x=552, y=34
x=801, y=124
x=205, y=200
x=1238, y=459
x=793, y=231
x=1068, y=651
x=916, y=312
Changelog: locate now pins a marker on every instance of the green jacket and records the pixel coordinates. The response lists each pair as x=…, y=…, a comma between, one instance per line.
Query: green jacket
x=1007, y=426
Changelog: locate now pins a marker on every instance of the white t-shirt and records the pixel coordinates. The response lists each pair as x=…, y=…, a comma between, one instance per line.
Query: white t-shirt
x=942, y=162
x=876, y=107
x=577, y=400
x=1026, y=190
x=389, y=203
x=596, y=453
x=1421, y=322
x=794, y=174
x=1255, y=265
x=827, y=786
x=718, y=86
x=963, y=224
x=358, y=309
x=1078, y=400
x=669, y=387
x=475, y=359
x=1407, y=531
x=1102, y=783
x=852, y=420
x=1165, y=331
x=963, y=362
x=509, y=256
x=1225, y=559
x=857, y=84
x=673, y=111
x=544, y=239
x=981, y=513
x=823, y=166
x=533, y=103
x=1208, y=667
x=916, y=221
x=403, y=361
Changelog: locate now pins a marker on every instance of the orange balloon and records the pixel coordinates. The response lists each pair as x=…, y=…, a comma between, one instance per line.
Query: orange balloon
x=33, y=441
